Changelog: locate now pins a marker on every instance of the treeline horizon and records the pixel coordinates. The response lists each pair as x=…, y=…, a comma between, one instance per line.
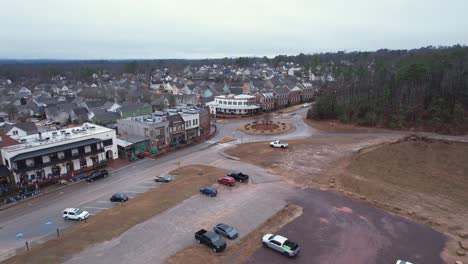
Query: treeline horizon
x=424, y=89
x=81, y=68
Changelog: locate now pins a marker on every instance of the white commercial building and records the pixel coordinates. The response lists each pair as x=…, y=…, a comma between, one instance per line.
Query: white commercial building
x=242, y=104
x=53, y=154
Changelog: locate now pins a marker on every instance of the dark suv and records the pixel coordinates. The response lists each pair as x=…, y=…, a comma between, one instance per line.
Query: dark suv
x=97, y=175
x=239, y=176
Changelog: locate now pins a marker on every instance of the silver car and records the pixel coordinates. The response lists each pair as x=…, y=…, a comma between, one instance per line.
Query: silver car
x=163, y=178
x=226, y=231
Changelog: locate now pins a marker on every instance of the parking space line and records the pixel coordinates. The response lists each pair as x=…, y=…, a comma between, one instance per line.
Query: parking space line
x=98, y=208
x=103, y=201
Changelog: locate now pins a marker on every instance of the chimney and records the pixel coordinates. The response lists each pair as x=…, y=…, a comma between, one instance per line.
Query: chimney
x=40, y=135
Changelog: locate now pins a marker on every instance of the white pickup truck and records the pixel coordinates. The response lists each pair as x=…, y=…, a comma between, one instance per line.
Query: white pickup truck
x=278, y=144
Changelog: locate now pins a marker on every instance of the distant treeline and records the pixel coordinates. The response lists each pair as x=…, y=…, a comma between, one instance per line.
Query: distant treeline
x=423, y=89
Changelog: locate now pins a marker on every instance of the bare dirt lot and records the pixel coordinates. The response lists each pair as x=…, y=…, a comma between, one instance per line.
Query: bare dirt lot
x=337, y=126
x=111, y=223
x=239, y=252
x=425, y=180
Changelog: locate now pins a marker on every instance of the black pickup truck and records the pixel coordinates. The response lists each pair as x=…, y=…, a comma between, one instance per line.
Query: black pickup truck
x=211, y=239
x=97, y=175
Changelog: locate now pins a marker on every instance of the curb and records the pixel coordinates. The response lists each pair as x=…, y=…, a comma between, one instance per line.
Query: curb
x=222, y=153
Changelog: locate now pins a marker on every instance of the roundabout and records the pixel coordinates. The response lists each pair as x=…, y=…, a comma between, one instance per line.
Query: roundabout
x=266, y=127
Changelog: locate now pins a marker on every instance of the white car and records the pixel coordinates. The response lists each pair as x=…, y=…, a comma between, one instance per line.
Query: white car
x=281, y=244
x=306, y=105
x=278, y=144
x=75, y=214
x=48, y=123
x=403, y=262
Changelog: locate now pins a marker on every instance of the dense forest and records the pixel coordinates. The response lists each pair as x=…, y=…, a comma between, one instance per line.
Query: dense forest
x=424, y=89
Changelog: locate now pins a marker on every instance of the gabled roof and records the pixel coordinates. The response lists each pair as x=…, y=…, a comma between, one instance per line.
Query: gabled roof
x=281, y=90
x=80, y=111
x=95, y=103
x=29, y=127
x=132, y=107
x=174, y=118
x=6, y=140
x=236, y=90
x=105, y=117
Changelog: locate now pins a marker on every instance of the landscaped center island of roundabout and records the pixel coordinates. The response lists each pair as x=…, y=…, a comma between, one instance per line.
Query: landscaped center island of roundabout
x=266, y=127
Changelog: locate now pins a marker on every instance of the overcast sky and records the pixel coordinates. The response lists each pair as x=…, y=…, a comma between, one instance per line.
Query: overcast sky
x=119, y=29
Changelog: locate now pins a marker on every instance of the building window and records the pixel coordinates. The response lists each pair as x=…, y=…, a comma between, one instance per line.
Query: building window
x=83, y=163
x=15, y=132
x=61, y=155
x=74, y=152
x=108, y=142
x=30, y=163
x=87, y=149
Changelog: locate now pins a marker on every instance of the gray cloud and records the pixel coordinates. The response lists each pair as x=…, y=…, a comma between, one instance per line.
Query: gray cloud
x=95, y=29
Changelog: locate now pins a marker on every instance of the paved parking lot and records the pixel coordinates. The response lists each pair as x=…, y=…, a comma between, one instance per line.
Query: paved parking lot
x=244, y=206
x=337, y=230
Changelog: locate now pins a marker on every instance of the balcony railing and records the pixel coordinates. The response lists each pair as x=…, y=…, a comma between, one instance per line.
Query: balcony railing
x=56, y=161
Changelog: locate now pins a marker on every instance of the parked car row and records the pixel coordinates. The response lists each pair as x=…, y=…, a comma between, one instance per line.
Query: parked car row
x=229, y=180
x=21, y=196
x=213, y=240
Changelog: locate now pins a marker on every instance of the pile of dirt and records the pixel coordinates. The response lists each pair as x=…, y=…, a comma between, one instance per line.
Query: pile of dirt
x=244, y=248
x=111, y=223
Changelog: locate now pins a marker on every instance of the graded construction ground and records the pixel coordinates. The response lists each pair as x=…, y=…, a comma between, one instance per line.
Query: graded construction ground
x=424, y=180
x=336, y=126
x=242, y=249
x=113, y=222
